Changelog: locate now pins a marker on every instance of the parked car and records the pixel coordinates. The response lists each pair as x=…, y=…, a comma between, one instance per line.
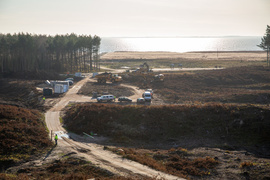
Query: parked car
x=123, y=98
x=140, y=101
x=147, y=96
x=70, y=82
x=106, y=98
x=70, y=79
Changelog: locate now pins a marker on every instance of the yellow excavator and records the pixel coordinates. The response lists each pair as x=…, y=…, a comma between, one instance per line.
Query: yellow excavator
x=102, y=78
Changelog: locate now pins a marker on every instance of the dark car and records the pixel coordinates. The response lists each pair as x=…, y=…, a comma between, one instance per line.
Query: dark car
x=123, y=98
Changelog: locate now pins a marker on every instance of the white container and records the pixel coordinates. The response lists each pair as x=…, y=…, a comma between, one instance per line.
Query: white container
x=59, y=88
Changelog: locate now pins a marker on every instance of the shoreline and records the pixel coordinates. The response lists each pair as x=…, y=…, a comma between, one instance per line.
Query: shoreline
x=194, y=55
x=242, y=51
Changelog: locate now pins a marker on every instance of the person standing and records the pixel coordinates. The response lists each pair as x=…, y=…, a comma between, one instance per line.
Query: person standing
x=55, y=139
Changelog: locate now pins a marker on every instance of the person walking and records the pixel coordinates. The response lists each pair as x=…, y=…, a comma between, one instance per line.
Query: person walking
x=55, y=138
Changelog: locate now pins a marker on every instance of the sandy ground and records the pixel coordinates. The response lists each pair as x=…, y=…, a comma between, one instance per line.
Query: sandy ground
x=242, y=55
x=70, y=143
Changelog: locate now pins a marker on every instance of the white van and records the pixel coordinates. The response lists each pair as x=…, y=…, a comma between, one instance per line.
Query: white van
x=106, y=98
x=147, y=96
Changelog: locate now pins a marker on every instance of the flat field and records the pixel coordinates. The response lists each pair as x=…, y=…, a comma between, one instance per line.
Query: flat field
x=188, y=60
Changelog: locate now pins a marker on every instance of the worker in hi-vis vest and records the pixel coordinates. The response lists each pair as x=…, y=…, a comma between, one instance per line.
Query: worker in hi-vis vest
x=55, y=138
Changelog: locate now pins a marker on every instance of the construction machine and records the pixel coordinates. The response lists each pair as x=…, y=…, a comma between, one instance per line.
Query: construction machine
x=102, y=78
x=144, y=68
x=146, y=73
x=159, y=78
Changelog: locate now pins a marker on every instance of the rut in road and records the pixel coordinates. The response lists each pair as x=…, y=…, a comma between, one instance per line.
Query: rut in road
x=91, y=151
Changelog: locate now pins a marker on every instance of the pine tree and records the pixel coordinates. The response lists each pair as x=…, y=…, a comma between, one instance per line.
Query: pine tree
x=265, y=44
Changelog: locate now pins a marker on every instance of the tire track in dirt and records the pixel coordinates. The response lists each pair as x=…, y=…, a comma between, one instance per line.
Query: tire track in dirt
x=91, y=151
x=138, y=92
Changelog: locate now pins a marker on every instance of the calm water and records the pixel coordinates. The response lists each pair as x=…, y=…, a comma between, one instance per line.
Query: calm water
x=181, y=44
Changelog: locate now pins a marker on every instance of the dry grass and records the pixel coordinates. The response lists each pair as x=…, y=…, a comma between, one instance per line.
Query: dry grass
x=70, y=168
x=232, y=85
x=246, y=164
x=173, y=161
x=22, y=133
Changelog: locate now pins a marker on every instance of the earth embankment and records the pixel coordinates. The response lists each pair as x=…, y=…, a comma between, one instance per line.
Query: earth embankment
x=211, y=125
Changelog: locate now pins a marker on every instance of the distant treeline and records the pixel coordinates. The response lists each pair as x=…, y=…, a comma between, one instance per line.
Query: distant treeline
x=61, y=53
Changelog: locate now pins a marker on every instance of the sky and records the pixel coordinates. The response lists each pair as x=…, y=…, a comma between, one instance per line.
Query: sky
x=136, y=18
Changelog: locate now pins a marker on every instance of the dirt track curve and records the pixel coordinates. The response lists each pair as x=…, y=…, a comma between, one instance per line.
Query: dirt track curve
x=91, y=151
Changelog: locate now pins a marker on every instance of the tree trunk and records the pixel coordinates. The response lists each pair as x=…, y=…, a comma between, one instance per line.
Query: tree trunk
x=267, y=56
x=84, y=69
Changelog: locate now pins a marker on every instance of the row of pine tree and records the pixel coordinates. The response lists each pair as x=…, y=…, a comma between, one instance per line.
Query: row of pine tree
x=60, y=53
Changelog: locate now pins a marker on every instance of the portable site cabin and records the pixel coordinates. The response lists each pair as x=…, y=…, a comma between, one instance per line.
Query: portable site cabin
x=58, y=88
x=65, y=85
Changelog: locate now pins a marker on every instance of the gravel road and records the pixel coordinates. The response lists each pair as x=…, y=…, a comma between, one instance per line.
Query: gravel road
x=92, y=151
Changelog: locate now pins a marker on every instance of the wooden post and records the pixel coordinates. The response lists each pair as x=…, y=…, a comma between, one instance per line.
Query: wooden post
x=51, y=134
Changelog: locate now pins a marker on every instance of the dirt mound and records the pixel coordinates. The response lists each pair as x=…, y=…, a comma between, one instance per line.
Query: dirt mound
x=90, y=87
x=22, y=133
x=20, y=93
x=187, y=126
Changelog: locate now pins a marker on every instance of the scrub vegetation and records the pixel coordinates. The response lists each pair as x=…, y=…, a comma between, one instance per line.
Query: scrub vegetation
x=249, y=84
x=23, y=134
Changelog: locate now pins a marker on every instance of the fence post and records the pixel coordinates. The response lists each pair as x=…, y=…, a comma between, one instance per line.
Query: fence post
x=51, y=134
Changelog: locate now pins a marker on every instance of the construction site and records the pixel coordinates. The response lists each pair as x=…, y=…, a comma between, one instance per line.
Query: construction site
x=141, y=122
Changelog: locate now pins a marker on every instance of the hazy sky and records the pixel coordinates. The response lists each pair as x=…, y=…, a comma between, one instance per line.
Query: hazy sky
x=118, y=18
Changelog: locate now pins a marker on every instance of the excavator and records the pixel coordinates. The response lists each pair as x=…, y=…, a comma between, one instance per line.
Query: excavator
x=148, y=74
x=144, y=68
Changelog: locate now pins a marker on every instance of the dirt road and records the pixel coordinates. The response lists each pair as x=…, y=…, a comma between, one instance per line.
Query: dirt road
x=69, y=142
x=163, y=69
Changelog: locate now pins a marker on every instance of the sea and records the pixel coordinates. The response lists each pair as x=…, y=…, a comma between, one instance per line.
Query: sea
x=180, y=44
